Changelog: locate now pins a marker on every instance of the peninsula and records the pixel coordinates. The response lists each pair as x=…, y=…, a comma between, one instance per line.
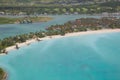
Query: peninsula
x=71, y=28
x=23, y=20
x=28, y=42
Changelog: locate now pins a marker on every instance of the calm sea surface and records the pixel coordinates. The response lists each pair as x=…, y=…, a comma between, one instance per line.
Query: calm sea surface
x=15, y=29
x=88, y=57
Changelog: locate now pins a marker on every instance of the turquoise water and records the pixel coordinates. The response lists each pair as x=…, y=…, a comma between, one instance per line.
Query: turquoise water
x=88, y=57
x=15, y=29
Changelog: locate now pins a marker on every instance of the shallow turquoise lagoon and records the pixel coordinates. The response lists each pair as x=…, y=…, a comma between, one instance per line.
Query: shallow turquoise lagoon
x=88, y=57
x=8, y=30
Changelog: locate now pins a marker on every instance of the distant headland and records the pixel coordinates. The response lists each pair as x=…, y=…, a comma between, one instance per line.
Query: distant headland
x=23, y=20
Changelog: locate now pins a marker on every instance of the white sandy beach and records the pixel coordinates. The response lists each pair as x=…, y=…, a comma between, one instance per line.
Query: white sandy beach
x=59, y=36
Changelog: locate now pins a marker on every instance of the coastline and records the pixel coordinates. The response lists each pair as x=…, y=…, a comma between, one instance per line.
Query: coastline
x=28, y=42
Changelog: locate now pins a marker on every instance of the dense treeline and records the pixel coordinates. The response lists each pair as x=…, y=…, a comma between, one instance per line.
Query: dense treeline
x=49, y=1
x=58, y=9
x=83, y=24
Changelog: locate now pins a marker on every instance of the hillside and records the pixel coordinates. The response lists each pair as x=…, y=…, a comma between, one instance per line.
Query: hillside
x=18, y=8
x=7, y=1
x=50, y=2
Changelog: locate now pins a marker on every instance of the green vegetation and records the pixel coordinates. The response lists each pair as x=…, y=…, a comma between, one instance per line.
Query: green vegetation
x=113, y=6
x=49, y=1
x=2, y=74
x=83, y=24
x=5, y=20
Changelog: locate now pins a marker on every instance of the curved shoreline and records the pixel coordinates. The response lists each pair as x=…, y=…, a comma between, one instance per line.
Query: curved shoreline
x=28, y=42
